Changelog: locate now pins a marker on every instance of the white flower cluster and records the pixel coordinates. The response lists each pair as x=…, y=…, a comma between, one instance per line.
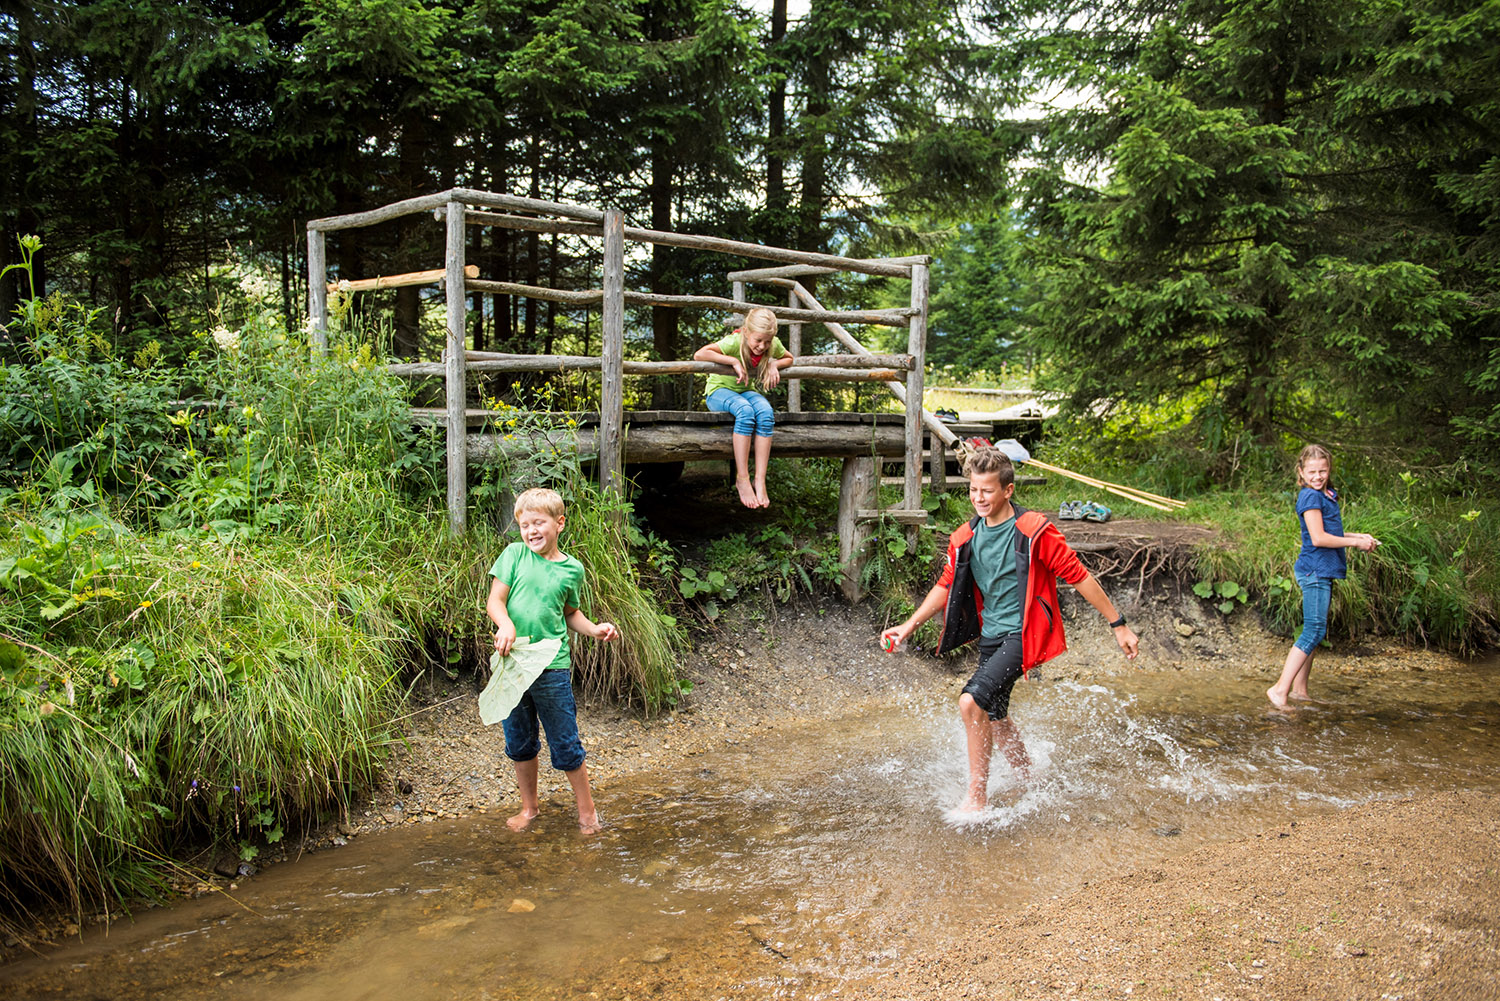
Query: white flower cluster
x=226, y=339
x=256, y=287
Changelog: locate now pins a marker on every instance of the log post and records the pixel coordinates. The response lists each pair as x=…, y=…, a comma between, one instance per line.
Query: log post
x=738, y=319
x=858, y=490
x=317, y=288
x=794, y=345
x=938, y=466
x=916, y=346
x=612, y=391
x=453, y=362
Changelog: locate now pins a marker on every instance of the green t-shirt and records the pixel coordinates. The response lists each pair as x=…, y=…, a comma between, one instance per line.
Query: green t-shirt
x=731, y=347
x=540, y=591
x=992, y=560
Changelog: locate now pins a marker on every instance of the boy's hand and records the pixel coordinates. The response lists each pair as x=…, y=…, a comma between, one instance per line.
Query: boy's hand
x=608, y=632
x=1129, y=642
x=505, y=638
x=894, y=637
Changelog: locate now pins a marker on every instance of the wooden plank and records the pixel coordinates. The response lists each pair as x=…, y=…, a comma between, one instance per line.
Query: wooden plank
x=937, y=466
x=858, y=489
x=612, y=392
x=759, y=252
x=762, y=275
x=536, y=206
x=528, y=224
x=317, y=289
x=398, y=281
x=863, y=361
x=692, y=442
x=592, y=297
x=454, y=376
x=430, y=415
x=385, y=213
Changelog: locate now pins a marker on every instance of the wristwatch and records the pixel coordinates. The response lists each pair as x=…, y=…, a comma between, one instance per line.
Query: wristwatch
x=1118, y=622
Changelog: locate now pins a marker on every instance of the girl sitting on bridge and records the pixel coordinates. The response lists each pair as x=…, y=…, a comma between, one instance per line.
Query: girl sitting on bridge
x=757, y=356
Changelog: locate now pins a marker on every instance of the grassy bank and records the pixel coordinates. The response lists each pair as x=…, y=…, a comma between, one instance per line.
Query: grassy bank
x=209, y=615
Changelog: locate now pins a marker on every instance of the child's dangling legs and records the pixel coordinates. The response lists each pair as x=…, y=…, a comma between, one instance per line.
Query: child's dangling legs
x=727, y=401
x=765, y=426
x=1317, y=593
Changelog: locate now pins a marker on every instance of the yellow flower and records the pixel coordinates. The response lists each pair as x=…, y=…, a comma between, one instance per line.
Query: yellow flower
x=146, y=603
x=195, y=565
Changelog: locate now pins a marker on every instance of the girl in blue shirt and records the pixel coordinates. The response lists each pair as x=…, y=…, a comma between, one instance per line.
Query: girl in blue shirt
x=1318, y=565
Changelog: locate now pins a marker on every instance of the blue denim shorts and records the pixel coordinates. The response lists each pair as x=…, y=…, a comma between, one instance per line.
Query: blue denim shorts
x=549, y=701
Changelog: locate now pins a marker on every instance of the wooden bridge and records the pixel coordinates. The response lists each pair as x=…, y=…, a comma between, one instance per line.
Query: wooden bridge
x=862, y=440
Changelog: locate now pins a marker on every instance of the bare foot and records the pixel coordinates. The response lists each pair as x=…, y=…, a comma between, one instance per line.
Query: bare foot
x=1277, y=699
x=762, y=499
x=521, y=821
x=1300, y=697
x=973, y=804
x=747, y=493
x=590, y=824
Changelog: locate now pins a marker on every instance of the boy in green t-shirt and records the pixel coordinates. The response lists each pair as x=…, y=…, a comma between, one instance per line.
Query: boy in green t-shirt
x=536, y=592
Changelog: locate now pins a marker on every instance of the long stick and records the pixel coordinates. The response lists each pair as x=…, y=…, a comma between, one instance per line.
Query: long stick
x=1135, y=490
x=1102, y=485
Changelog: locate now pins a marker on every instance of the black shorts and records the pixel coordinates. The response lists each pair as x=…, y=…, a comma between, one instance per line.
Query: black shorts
x=999, y=670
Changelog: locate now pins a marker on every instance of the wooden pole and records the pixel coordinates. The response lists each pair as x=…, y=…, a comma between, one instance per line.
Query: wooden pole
x=916, y=346
x=399, y=281
x=737, y=319
x=1119, y=491
x=794, y=345
x=858, y=488
x=317, y=289
x=612, y=392
x=455, y=384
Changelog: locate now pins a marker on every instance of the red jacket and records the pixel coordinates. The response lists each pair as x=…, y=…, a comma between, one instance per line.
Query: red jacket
x=1042, y=556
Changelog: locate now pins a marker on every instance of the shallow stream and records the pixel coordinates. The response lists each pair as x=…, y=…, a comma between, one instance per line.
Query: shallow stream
x=782, y=864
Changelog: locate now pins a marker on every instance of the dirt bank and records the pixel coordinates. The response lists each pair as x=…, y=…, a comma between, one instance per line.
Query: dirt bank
x=1383, y=901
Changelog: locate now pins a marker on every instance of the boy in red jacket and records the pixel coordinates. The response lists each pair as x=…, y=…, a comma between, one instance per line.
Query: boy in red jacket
x=1000, y=585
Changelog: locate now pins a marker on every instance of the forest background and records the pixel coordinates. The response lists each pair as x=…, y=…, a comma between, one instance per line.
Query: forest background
x=1210, y=230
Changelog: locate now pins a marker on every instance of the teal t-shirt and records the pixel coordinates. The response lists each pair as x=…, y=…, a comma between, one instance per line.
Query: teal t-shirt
x=731, y=347
x=540, y=590
x=992, y=560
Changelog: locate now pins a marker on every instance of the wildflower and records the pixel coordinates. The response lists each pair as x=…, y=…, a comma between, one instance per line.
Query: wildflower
x=236, y=788
x=343, y=286
x=248, y=413
x=227, y=340
x=255, y=287
x=183, y=419
x=47, y=709
x=195, y=783
x=222, y=430
x=195, y=565
x=145, y=603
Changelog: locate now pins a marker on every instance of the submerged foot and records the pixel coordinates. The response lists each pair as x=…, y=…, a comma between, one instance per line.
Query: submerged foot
x=590, y=823
x=1301, y=697
x=1277, y=699
x=747, y=493
x=521, y=821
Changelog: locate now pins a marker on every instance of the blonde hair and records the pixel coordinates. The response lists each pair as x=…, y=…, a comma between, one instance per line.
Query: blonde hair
x=548, y=502
x=1309, y=453
x=989, y=459
x=760, y=319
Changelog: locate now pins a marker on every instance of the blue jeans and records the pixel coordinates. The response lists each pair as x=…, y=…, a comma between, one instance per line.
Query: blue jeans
x=752, y=411
x=1317, y=592
x=549, y=701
